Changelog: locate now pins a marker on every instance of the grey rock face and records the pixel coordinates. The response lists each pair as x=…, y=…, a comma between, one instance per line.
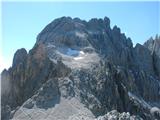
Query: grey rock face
x=154, y=46
x=83, y=70
x=144, y=58
x=47, y=96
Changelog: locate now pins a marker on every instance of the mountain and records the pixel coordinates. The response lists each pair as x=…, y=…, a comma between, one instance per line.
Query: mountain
x=83, y=70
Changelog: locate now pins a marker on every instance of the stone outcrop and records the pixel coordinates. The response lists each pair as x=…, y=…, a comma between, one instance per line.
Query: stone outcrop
x=83, y=70
x=154, y=47
x=114, y=115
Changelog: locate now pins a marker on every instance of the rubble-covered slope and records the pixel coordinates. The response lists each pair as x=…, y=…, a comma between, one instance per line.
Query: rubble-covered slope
x=83, y=70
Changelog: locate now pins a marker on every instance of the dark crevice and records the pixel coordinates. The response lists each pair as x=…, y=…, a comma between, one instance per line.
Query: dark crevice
x=121, y=92
x=154, y=58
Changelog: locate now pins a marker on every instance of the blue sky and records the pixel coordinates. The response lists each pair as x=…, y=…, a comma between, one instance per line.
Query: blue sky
x=22, y=21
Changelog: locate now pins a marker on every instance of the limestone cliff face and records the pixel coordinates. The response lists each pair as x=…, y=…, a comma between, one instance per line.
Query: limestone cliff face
x=82, y=70
x=154, y=46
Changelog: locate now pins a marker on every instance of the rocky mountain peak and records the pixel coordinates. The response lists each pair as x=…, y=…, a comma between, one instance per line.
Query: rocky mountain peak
x=107, y=21
x=95, y=35
x=153, y=45
x=19, y=57
x=67, y=25
x=83, y=70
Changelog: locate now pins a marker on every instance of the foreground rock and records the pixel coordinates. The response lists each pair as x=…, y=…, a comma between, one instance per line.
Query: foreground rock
x=114, y=115
x=83, y=70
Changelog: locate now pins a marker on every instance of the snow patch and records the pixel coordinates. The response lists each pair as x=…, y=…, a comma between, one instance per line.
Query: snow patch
x=53, y=60
x=51, y=46
x=74, y=58
x=139, y=100
x=78, y=58
x=76, y=54
x=81, y=35
x=81, y=52
x=154, y=109
x=72, y=52
x=79, y=24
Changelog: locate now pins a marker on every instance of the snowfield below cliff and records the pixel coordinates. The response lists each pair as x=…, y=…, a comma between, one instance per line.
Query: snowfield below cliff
x=74, y=58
